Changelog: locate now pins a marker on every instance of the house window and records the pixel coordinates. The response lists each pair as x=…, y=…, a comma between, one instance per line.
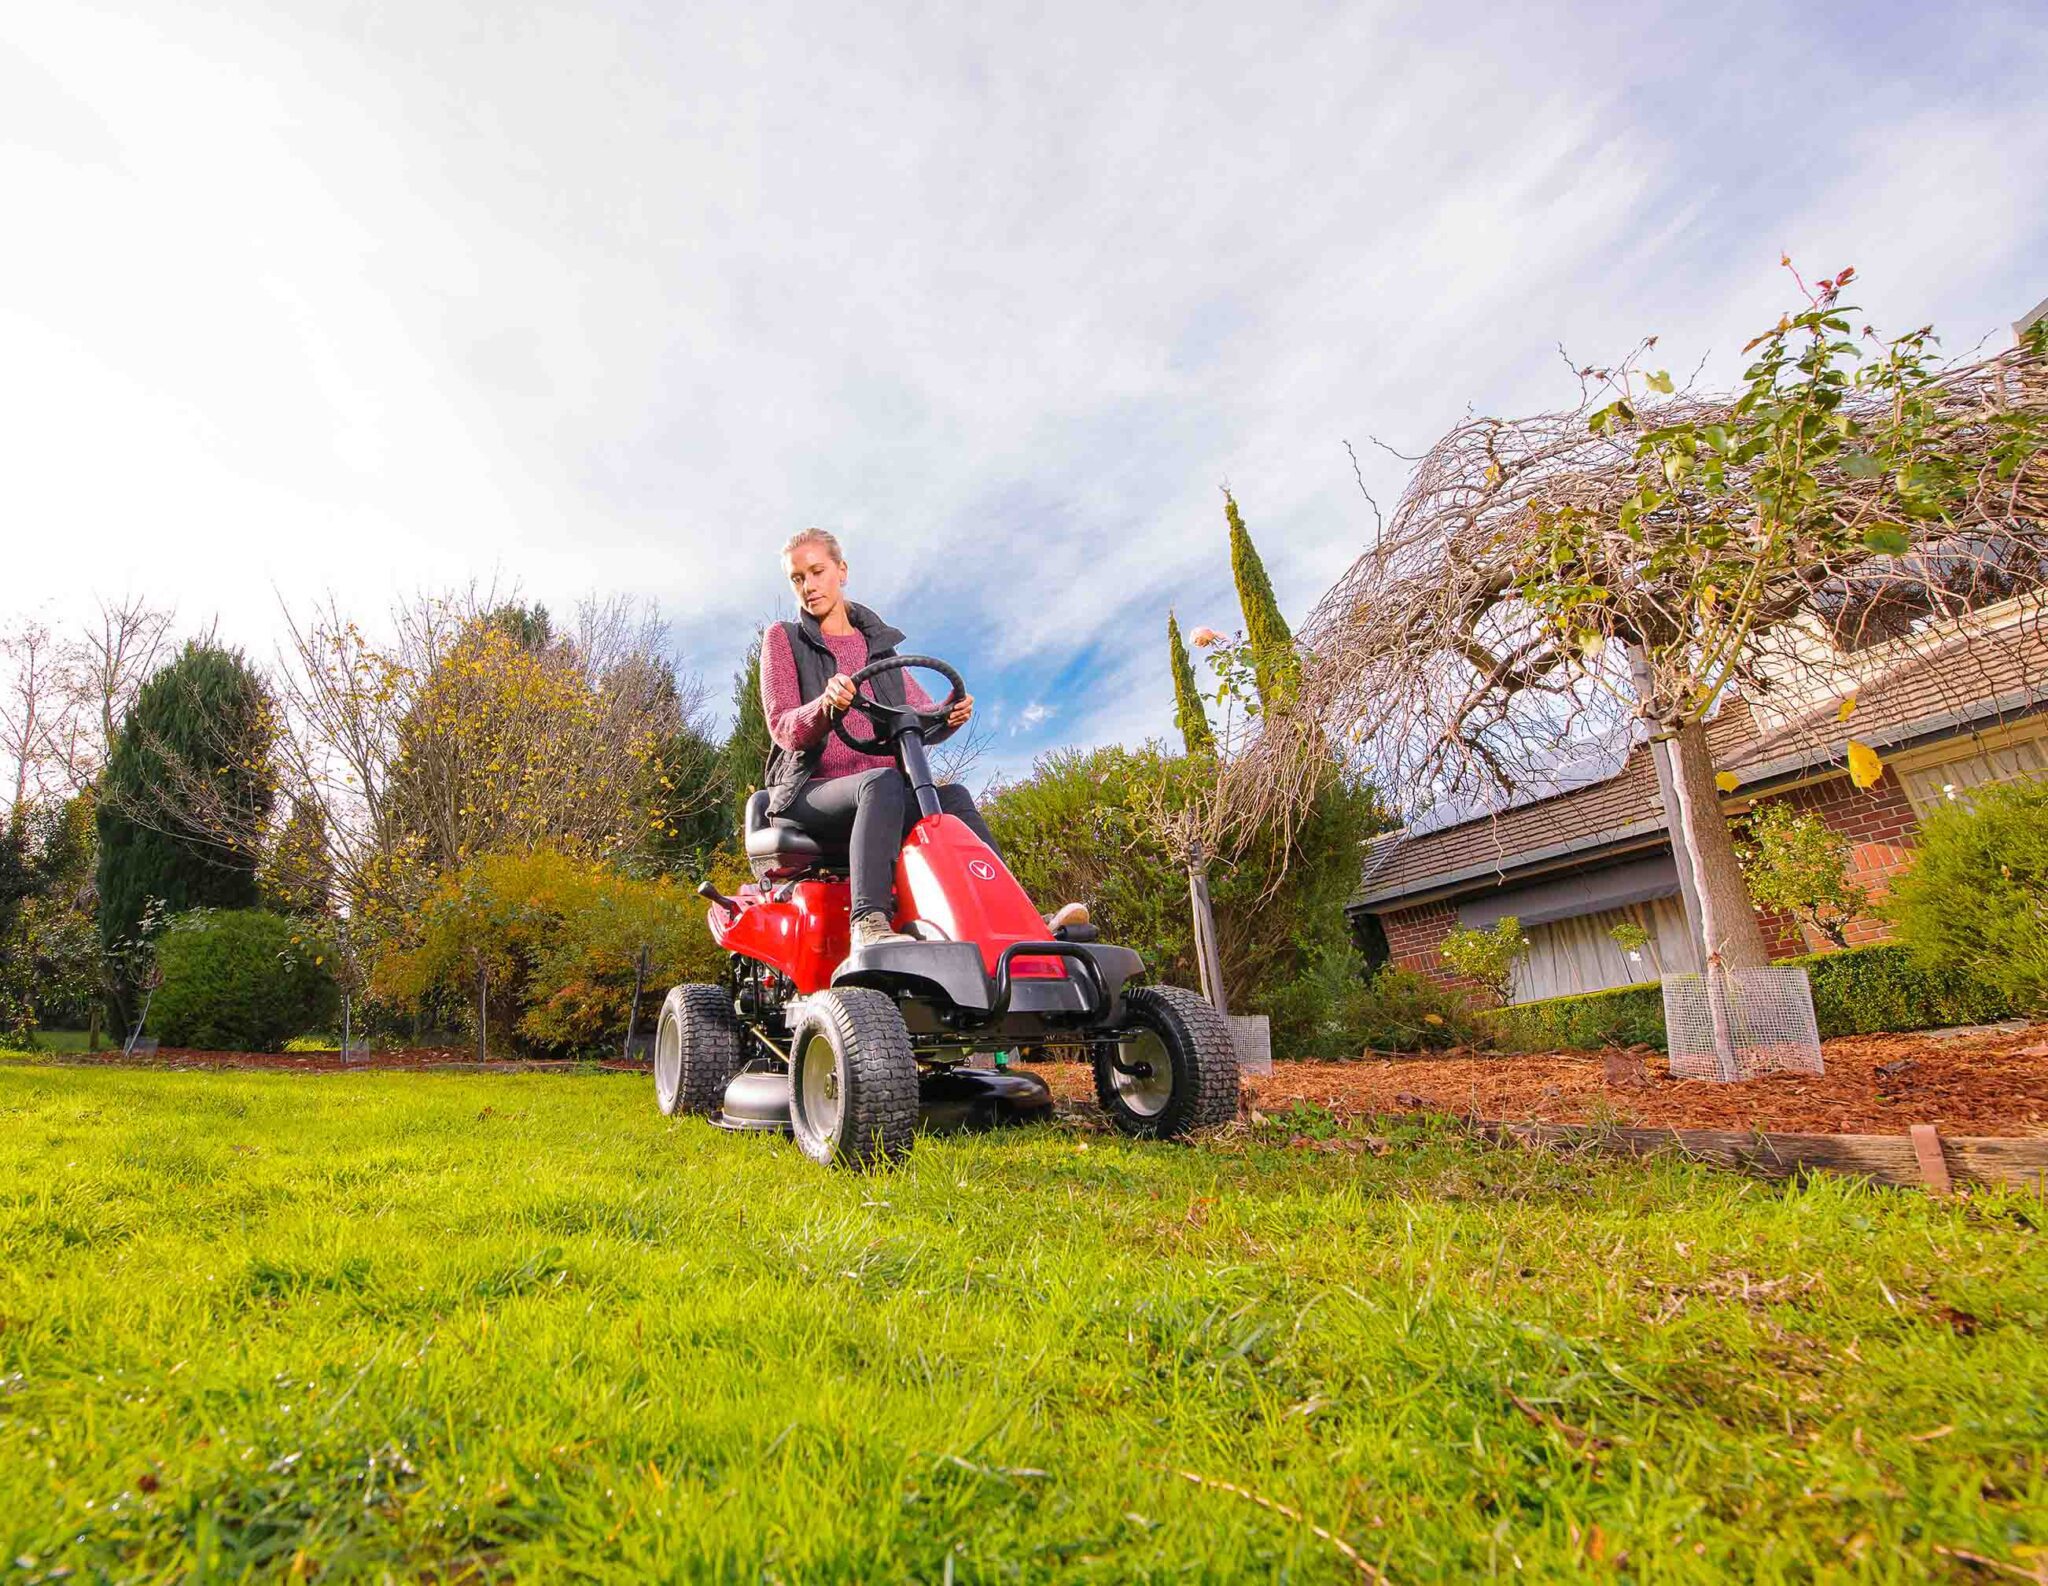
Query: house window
x=1929, y=788
x=1579, y=954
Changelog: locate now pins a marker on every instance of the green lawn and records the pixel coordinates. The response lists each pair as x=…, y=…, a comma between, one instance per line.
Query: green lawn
x=522, y=1325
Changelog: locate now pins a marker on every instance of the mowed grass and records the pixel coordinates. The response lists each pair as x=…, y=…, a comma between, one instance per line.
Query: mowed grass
x=468, y=1326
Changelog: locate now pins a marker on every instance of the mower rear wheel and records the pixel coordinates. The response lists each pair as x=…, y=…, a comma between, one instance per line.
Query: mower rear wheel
x=697, y=1050
x=852, y=1079
x=1178, y=1073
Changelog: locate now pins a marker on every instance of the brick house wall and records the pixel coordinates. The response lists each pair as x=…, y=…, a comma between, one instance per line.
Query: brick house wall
x=1413, y=936
x=1879, y=823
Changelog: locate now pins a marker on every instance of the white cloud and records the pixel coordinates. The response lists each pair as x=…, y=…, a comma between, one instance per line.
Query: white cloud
x=608, y=297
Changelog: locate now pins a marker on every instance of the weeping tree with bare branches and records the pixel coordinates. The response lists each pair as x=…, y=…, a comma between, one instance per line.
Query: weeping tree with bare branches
x=1549, y=586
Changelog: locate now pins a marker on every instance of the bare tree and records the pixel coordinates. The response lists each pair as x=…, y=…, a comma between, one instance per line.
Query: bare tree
x=109, y=663
x=65, y=695
x=36, y=727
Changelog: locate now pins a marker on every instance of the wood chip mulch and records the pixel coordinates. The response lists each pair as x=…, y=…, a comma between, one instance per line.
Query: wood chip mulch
x=1994, y=1083
x=1990, y=1084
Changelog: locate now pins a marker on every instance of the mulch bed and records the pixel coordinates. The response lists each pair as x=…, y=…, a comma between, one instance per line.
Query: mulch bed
x=1992, y=1084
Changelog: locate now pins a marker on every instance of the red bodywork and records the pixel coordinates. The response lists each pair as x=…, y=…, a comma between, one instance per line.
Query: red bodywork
x=945, y=875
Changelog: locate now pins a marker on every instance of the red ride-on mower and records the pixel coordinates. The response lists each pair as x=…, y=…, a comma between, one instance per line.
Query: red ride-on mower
x=851, y=1053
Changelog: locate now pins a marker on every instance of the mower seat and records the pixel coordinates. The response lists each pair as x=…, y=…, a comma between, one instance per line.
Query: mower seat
x=781, y=850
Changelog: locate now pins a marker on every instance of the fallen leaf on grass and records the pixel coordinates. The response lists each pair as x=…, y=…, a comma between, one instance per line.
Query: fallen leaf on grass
x=1928, y=1437
x=1578, y=1437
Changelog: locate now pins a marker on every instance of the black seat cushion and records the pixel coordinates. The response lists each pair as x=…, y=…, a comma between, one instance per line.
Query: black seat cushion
x=778, y=849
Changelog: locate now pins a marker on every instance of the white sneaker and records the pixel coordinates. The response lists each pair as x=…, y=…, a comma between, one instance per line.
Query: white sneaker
x=874, y=930
x=1067, y=914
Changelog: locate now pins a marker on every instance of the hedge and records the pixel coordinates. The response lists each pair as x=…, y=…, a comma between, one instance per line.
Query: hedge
x=240, y=980
x=1624, y=1016
x=1876, y=990
x=1859, y=991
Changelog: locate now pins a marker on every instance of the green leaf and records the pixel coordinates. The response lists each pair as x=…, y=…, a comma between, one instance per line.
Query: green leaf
x=1861, y=465
x=1660, y=381
x=1886, y=540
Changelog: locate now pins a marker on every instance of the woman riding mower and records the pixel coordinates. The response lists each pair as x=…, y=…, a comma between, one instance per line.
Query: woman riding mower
x=817, y=781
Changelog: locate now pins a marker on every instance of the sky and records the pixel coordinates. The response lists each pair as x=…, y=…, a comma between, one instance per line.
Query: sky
x=359, y=299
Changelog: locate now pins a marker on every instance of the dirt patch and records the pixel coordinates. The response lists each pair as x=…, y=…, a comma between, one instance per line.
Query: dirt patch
x=1995, y=1084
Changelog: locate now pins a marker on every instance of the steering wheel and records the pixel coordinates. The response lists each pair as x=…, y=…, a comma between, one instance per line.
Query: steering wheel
x=895, y=719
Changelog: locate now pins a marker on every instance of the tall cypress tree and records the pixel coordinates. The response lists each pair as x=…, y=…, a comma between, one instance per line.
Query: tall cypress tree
x=186, y=793
x=746, y=750
x=1188, y=712
x=1274, y=665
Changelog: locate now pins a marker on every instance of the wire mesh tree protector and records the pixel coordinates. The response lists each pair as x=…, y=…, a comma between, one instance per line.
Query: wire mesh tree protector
x=1769, y=1016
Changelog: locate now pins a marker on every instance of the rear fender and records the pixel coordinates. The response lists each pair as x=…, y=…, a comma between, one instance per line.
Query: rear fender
x=803, y=935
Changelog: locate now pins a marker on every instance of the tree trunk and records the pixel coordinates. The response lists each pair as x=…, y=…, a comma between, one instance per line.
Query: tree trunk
x=1726, y=912
x=1208, y=952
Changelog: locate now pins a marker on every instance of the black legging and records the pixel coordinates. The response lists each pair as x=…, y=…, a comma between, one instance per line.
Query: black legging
x=874, y=811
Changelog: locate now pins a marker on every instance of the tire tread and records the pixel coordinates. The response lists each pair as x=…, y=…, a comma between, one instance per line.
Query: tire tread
x=1186, y=1019
x=879, y=1106
x=708, y=1033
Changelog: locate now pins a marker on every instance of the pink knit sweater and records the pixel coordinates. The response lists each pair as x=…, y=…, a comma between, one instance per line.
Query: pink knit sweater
x=797, y=723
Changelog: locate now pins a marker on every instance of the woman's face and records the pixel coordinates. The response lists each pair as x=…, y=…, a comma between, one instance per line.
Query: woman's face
x=816, y=577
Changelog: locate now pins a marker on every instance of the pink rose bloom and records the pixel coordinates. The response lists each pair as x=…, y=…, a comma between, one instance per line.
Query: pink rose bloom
x=1202, y=638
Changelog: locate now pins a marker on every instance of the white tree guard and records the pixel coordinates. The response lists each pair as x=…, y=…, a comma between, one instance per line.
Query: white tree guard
x=1770, y=1016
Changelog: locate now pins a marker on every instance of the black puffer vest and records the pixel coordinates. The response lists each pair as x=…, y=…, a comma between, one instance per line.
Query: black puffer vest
x=788, y=770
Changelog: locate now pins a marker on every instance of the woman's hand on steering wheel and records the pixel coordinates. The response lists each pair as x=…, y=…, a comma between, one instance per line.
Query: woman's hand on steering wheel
x=838, y=693
x=893, y=720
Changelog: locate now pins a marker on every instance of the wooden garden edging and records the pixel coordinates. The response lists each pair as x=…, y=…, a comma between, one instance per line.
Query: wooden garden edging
x=1920, y=1158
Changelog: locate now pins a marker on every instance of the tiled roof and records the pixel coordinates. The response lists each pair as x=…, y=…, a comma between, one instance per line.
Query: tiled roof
x=1590, y=816
x=1925, y=696
x=1985, y=677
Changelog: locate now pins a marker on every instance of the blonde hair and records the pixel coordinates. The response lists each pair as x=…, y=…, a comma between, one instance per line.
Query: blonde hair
x=823, y=537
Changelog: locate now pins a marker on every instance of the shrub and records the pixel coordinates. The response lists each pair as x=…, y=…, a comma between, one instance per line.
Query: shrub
x=1487, y=958
x=558, y=940
x=1397, y=1010
x=1877, y=990
x=1976, y=899
x=1796, y=862
x=1623, y=1016
x=1075, y=829
x=1862, y=991
x=1339, y=1009
x=239, y=980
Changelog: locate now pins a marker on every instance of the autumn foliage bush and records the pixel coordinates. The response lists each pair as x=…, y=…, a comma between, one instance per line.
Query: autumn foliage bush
x=556, y=939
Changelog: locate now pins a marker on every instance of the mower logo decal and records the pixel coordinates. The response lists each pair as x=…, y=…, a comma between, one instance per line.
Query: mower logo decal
x=981, y=869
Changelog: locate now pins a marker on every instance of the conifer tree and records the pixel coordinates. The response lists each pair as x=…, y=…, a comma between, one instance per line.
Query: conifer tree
x=187, y=789
x=1188, y=712
x=746, y=750
x=1271, y=641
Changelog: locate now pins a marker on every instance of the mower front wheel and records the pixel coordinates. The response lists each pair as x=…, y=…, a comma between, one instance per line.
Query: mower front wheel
x=852, y=1079
x=696, y=1050
x=1176, y=1074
